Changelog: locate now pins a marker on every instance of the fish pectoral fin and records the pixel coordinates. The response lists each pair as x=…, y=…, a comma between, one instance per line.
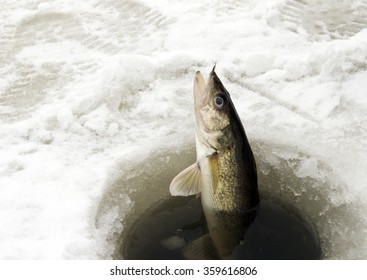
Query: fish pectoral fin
x=201, y=249
x=187, y=182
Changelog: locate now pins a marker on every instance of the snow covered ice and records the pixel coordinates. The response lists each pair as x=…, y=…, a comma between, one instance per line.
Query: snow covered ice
x=96, y=113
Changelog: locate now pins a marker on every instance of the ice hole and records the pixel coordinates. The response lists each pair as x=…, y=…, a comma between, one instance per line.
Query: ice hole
x=301, y=202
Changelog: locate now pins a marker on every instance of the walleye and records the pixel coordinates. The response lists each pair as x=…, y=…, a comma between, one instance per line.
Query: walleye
x=224, y=172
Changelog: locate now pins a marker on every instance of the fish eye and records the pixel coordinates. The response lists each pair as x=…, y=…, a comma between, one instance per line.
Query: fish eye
x=220, y=101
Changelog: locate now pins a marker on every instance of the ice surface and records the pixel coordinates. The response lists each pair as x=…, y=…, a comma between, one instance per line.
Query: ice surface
x=96, y=113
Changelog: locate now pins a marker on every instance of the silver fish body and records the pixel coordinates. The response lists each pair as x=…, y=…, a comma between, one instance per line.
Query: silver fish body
x=224, y=173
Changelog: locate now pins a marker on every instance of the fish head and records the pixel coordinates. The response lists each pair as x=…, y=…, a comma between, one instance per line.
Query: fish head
x=214, y=112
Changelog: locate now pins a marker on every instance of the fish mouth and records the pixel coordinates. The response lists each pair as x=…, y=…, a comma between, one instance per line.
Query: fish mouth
x=200, y=94
x=201, y=99
x=212, y=74
x=215, y=64
x=200, y=85
x=202, y=88
x=214, y=83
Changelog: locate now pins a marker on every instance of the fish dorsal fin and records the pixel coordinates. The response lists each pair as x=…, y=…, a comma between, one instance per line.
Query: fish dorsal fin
x=187, y=182
x=201, y=249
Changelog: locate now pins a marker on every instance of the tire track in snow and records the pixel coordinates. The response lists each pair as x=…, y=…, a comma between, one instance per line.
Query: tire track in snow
x=231, y=7
x=52, y=43
x=322, y=20
x=124, y=26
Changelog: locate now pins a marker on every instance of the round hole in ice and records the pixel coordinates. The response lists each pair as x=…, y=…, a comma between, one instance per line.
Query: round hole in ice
x=288, y=179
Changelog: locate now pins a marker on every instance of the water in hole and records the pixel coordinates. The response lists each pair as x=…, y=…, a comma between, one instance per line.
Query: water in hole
x=164, y=231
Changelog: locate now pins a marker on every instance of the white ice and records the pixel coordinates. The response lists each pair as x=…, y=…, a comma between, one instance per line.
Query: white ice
x=91, y=91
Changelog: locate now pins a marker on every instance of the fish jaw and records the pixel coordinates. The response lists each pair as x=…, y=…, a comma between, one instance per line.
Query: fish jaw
x=212, y=124
x=200, y=97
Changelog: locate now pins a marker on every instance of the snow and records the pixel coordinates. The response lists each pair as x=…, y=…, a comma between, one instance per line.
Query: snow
x=96, y=113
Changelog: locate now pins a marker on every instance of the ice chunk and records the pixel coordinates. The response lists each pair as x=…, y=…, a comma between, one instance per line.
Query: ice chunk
x=308, y=168
x=173, y=243
x=65, y=117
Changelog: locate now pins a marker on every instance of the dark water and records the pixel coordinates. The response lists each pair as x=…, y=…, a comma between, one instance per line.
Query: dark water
x=163, y=231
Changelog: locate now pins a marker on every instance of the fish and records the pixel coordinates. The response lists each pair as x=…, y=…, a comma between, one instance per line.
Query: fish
x=224, y=174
